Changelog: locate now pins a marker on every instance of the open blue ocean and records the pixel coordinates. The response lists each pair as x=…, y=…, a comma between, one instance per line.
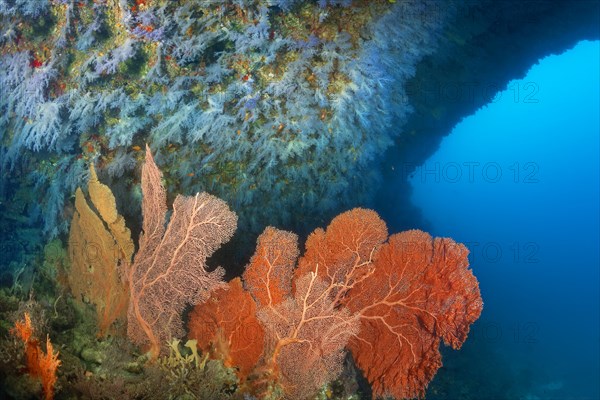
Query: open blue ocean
x=518, y=182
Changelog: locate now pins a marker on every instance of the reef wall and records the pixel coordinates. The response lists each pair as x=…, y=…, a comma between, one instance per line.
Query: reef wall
x=284, y=108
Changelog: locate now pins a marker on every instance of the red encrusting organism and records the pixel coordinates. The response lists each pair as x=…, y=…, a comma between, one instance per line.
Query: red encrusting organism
x=35, y=63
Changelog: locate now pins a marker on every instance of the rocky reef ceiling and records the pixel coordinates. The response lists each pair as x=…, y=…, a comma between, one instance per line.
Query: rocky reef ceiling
x=488, y=44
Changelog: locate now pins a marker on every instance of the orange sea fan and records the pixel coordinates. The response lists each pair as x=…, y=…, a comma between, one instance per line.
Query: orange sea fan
x=390, y=301
x=39, y=364
x=226, y=327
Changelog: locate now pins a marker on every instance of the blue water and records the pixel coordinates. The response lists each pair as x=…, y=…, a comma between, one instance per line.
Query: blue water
x=518, y=182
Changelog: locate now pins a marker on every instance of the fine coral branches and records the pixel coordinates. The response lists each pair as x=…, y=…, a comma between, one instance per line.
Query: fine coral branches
x=388, y=301
x=169, y=270
x=40, y=364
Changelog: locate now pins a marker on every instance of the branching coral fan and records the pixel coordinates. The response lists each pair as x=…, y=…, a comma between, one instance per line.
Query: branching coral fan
x=39, y=364
x=228, y=318
x=100, y=249
x=389, y=301
x=169, y=269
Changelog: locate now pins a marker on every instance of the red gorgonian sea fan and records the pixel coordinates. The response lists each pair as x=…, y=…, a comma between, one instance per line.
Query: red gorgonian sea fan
x=226, y=328
x=305, y=331
x=409, y=293
x=389, y=301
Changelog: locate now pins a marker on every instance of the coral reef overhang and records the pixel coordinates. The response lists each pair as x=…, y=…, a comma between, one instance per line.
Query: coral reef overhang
x=283, y=108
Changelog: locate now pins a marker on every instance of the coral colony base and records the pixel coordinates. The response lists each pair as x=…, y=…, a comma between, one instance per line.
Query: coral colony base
x=276, y=105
